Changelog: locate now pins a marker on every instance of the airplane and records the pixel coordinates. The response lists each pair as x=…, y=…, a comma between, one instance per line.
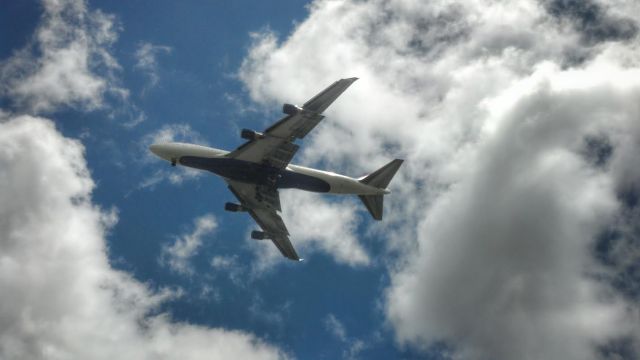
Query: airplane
x=257, y=169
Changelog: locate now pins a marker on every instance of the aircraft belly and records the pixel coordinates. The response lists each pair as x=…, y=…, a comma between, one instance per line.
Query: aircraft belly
x=239, y=170
x=256, y=173
x=290, y=179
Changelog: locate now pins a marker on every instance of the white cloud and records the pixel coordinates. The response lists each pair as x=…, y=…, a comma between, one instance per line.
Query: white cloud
x=171, y=133
x=68, y=62
x=330, y=227
x=146, y=60
x=496, y=211
x=273, y=316
x=60, y=297
x=337, y=329
x=178, y=254
x=229, y=266
x=136, y=116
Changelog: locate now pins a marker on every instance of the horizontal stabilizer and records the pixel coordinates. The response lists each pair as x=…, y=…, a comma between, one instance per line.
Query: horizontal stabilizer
x=380, y=179
x=373, y=204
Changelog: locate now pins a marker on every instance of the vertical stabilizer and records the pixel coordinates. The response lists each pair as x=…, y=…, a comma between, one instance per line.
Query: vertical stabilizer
x=380, y=179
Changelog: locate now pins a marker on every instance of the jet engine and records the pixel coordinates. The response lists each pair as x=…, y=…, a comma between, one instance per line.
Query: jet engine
x=250, y=134
x=234, y=207
x=290, y=109
x=259, y=235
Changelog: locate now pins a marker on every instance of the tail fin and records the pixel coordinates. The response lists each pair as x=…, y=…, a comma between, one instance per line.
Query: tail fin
x=380, y=179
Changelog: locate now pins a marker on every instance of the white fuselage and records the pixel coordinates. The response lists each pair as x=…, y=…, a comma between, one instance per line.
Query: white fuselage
x=300, y=176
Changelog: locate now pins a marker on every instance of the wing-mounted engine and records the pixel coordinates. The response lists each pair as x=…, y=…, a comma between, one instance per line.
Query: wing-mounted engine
x=291, y=109
x=260, y=235
x=251, y=135
x=234, y=207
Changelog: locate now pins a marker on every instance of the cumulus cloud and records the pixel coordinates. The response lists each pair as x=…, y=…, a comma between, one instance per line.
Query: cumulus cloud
x=593, y=20
x=508, y=247
x=146, y=60
x=329, y=227
x=67, y=63
x=518, y=122
x=61, y=299
x=178, y=254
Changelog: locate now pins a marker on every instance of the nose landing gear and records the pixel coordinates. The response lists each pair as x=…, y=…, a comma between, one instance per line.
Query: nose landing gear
x=173, y=162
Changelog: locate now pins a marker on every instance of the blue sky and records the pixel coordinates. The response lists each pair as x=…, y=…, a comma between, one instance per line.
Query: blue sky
x=510, y=233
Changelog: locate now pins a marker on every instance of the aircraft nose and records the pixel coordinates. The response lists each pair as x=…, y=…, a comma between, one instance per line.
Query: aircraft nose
x=167, y=151
x=155, y=148
x=160, y=150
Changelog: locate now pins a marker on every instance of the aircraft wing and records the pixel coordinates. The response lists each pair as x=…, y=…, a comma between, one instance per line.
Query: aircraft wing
x=276, y=146
x=262, y=204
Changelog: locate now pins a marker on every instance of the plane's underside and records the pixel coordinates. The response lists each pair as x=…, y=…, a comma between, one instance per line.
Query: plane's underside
x=259, y=174
x=260, y=167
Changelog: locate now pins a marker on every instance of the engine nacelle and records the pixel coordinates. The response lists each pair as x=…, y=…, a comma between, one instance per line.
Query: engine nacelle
x=234, y=207
x=290, y=109
x=259, y=235
x=250, y=134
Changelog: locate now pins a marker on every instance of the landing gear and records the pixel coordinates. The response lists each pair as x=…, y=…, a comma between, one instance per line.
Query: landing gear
x=233, y=207
x=173, y=162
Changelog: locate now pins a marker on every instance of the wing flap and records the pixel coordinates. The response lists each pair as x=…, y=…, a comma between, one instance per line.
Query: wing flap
x=256, y=150
x=268, y=196
x=281, y=155
x=295, y=126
